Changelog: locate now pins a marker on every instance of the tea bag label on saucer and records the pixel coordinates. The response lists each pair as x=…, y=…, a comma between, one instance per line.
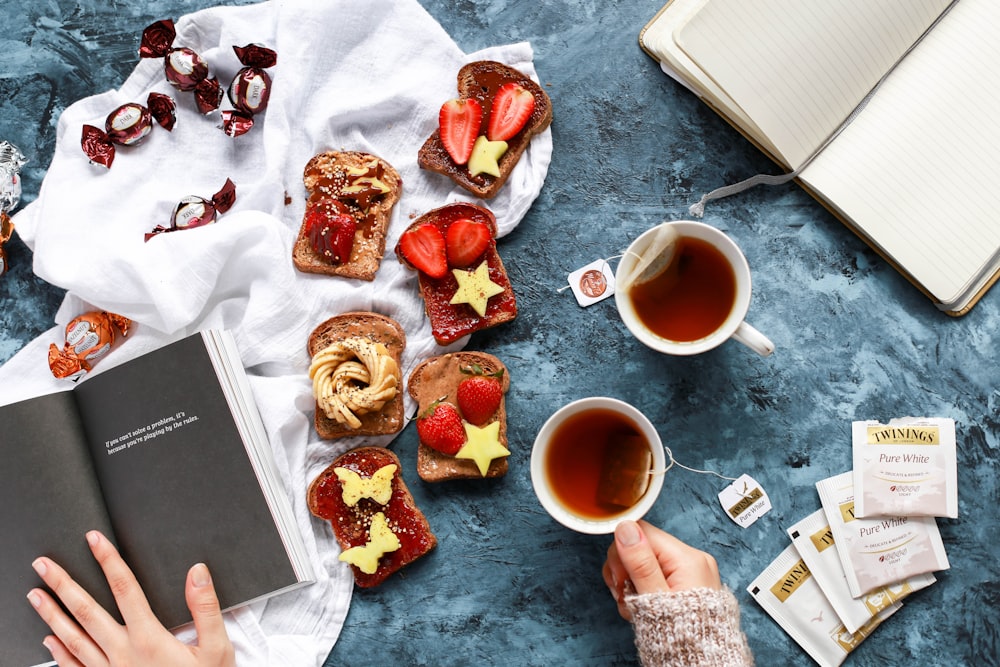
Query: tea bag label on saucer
x=745, y=501
x=593, y=282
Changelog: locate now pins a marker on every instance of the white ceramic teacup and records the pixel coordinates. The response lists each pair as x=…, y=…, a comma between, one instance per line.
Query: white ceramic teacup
x=734, y=326
x=562, y=512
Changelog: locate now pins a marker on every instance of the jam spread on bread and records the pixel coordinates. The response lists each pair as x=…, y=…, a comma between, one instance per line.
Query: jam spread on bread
x=438, y=241
x=352, y=524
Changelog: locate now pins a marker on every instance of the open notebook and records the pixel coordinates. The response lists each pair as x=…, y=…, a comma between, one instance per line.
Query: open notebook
x=887, y=107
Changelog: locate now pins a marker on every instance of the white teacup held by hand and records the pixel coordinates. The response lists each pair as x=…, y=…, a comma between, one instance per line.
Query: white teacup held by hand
x=659, y=260
x=596, y=462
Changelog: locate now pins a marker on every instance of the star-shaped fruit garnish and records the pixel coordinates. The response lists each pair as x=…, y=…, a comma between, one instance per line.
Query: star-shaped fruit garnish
x=483, y=445
x=475, y=288
x=485, y=157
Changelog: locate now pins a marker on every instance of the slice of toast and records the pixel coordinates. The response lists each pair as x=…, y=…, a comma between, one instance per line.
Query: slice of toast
x=437, y=379
x=481, y=80
x=328, y=178
x=378, y=329
x=449, y=321
x=352, y=523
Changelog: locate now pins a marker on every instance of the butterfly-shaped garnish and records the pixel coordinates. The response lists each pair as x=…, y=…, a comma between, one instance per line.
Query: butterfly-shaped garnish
x=381, y=540
x=378, y=487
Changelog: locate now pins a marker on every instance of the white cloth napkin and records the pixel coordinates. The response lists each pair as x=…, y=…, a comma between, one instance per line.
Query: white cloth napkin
x=350, y=75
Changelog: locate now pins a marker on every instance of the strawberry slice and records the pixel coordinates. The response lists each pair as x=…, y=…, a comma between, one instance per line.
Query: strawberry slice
x=466, y=241
x=458, y=122
x=512, y=106
x=440, y=427
x=331, y=236
x=423, y=247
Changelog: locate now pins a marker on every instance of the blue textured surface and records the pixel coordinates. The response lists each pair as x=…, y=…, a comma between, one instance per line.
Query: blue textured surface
x=854, y=341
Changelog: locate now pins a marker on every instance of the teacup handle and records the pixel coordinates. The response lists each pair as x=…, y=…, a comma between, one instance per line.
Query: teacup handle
x=753, y=339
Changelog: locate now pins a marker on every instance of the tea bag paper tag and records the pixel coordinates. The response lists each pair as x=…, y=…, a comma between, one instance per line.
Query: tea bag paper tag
x=593, y=282
x=745, y=501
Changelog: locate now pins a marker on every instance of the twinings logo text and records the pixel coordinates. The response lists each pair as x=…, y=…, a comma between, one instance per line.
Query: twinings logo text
x=790, y=582
x=911, y=435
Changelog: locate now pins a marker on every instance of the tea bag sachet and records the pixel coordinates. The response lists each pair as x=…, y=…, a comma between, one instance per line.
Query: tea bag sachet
x=790, y=594
x=907, y=467
x=878, y=551
x=814, y=542
x=654, y=259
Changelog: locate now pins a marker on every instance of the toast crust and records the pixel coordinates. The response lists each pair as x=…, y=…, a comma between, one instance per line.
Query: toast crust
x=481, y=80
x=351, y=524
x=449, y=322
x=437, y=379
x=377, y=329
x=325, y=176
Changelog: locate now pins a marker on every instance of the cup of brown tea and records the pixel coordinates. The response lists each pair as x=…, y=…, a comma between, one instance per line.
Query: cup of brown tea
x=694, y=298
x=595, y=462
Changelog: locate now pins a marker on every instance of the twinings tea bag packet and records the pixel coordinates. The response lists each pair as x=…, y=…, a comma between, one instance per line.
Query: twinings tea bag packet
x=790, y=594
x=878, y=551
x=907, y=467
x=813, y=540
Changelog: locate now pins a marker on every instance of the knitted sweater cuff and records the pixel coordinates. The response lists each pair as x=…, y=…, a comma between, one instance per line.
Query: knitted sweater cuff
x=699, y=627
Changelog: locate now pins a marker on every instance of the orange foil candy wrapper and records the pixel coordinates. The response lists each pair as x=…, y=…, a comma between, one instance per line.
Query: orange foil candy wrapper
x=88, y=338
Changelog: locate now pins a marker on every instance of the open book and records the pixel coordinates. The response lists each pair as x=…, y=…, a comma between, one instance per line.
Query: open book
x=166, y=454
x=887, y=107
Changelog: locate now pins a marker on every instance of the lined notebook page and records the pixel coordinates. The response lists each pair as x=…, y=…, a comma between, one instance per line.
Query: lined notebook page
x=798, y=68
x=919, y=170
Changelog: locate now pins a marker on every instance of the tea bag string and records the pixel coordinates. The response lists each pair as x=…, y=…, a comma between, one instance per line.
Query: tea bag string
x=675, y=462
x=698, y=208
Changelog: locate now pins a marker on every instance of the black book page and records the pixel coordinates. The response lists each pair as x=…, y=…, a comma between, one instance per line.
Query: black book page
x=177, y=480
x=49, y=499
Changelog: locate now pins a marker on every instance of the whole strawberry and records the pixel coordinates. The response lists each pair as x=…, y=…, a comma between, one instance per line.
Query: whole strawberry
x=440, y=427
x=479, y=396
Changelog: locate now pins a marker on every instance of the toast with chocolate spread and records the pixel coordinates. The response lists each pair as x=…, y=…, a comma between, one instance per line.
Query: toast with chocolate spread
x=357, y=352
x=439, y=380
x=374, y=518
x=502, y=96
x=350, y=197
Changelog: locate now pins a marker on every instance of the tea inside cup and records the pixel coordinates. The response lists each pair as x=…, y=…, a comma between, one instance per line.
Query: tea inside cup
x=592, y=463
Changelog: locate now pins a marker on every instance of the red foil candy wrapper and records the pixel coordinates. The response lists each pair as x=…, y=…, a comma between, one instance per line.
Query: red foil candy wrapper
x=250, y=89
x=183, y=68
x=194, y=211
x=128, y=125
x=88, y=338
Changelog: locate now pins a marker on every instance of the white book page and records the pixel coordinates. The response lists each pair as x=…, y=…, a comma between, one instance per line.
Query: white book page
x=798, y=68
x=918, y=171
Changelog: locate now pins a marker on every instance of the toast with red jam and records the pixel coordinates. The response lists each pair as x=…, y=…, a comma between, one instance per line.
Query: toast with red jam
x=374, y=518
x=462, y=279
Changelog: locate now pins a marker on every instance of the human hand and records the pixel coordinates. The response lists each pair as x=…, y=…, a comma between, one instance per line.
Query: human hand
x=654, y=561
x=91, y=637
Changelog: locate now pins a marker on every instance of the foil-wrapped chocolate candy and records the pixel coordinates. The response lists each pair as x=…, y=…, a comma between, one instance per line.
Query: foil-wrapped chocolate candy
x=88, y=338
x=250, y=89
x=183, y=68
x=11, y=161
x=194, y=211
x=128, y=125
